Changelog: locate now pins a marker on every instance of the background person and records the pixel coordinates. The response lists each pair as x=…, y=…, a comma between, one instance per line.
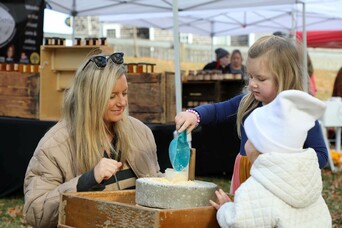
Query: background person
x=236, y=66
x=337, y=92
x=285, y=187
x=274, y=64
x=95, y=146
x=221, y=63
x=337, y=89
x=312, y=81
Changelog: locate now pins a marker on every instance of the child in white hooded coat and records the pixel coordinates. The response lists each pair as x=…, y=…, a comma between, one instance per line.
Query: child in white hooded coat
x=285, y=186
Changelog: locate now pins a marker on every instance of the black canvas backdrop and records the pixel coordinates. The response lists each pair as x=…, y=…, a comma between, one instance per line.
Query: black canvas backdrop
x=216, y=148
x=27, y=34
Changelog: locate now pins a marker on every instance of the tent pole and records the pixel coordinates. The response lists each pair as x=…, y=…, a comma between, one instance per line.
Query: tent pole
x=73, y=30
x=178, y=83
x=305, y=57
x=294, y=23
x=73, y=17
x=135, y=52
x=212, y=39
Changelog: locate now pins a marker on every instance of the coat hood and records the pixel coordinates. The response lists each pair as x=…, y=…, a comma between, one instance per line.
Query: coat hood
x=295, y=178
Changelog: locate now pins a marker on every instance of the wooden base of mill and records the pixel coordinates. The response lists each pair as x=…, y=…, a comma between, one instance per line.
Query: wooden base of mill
x=118, y=209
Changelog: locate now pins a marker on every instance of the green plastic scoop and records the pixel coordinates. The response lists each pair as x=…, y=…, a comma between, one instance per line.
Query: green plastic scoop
x=179, y=152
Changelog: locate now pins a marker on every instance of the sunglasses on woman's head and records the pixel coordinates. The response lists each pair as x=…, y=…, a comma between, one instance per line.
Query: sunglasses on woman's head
x=101, y=61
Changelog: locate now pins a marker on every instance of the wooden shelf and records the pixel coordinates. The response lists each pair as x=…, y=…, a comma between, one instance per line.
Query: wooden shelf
x=73, y=47
x=209, y=91
x=57, y=69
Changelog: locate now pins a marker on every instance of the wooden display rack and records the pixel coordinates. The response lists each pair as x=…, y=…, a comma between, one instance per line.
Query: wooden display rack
x=151, y=95
x=118, y=209
x=198, y=92
x=57, y=68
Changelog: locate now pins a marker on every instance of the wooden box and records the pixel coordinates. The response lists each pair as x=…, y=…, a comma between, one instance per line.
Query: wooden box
x=151, y=97
x=19, y=94
x=118, y=209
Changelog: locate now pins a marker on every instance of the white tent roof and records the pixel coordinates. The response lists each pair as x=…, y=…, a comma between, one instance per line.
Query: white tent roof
x=233, y=21
x=212, y=17
x=113, y=7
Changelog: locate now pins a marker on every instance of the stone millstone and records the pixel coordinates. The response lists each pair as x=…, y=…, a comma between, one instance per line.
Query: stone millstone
x=161, y=193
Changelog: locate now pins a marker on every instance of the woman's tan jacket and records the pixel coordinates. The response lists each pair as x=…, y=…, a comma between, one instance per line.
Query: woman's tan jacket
x=51, y=170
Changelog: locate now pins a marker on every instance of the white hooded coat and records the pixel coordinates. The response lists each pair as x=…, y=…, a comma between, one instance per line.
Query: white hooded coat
x=284, y=190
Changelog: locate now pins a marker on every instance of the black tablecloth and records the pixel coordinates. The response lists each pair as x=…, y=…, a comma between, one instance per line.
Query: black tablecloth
x=216, y=148
x=18, y=139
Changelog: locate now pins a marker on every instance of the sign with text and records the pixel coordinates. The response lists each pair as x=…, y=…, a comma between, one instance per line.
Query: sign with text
x=21, y=30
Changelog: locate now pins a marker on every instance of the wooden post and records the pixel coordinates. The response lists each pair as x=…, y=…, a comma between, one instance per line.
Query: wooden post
x=192, y=164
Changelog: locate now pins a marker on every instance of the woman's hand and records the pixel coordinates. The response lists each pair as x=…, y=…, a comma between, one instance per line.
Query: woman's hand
x=222, y=198
x=185, y=120
x=105, y=169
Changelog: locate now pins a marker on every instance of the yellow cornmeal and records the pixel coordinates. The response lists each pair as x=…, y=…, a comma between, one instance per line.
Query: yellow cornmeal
x=176, y=176
x=163, y=180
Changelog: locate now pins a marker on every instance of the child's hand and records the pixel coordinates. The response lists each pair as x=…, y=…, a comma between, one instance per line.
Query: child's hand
x=185, y=121
x=222, y=198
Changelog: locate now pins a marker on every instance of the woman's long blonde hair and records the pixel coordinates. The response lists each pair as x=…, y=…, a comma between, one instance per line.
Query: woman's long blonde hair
x=85, y=104
x=284, y=58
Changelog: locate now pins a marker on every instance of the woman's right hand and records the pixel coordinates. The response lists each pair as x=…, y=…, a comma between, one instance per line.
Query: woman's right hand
x=185, y=120
x=105, y=169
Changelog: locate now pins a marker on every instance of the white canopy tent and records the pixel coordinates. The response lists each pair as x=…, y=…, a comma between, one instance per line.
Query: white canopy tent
x=211, y=17
x=233, y=21
x=115, y=7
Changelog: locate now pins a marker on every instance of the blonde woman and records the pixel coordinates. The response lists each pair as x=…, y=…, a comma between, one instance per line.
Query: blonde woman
x=274, y=64
x=95, y=146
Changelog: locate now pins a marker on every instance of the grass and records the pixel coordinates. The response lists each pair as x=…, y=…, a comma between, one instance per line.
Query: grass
x=11, y=211
x=11, y=207
x=332, y=193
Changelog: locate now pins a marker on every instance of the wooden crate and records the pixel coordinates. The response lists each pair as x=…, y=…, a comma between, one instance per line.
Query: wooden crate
x=151, y=97
x=19, y=94
x=118, y=209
